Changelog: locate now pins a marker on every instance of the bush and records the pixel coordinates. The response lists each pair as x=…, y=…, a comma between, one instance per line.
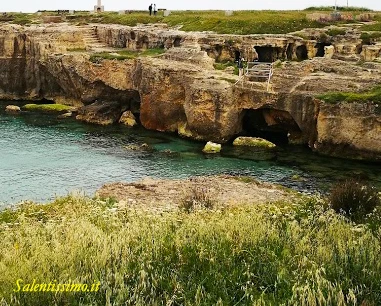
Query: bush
x=198, y=197
x=354, y=199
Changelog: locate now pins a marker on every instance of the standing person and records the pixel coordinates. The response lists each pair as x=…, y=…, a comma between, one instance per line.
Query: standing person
x=150, y=9
x=240, y=66
x=154, y=9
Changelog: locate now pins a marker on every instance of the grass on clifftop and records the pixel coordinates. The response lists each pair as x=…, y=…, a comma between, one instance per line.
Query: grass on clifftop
x=241, y=22
x=373, y=95
x=125, y=54
x=278, y=254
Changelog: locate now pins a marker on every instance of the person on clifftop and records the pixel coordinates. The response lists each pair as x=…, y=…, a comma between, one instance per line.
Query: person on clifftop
x=154, y=9
x=150, y=9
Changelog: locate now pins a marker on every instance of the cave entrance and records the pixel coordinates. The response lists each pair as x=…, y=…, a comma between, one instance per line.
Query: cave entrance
x=237, y=55
x=320, y=48
x=301, y=53
x=177, y=42
x=267, y=54
x=275, y=125
x=142, y=43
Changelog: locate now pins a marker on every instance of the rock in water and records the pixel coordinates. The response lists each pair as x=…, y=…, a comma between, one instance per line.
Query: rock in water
x=12, y=109
x=212, y=147
x=102, y=113
x=128, y=119
x=65, y=115
x=253, y=142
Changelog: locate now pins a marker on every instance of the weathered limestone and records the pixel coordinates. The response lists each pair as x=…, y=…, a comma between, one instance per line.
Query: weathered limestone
x=370, y=53
x=181, y=91
x=345, y=129
x=128, y=119
x=12, y=109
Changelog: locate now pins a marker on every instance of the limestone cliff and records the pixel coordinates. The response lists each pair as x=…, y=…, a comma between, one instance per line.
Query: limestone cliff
x=180, y=91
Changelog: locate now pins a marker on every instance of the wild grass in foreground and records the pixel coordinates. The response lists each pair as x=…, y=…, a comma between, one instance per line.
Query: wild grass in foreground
x=278, y=254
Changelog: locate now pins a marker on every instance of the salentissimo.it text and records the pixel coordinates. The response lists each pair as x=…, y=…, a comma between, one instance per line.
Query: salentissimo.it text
x=53, y=286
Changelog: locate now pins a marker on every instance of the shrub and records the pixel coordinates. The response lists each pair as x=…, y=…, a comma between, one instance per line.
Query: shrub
x=369, y=38
x=336, y=32
x=197, y=197
x=354, y=199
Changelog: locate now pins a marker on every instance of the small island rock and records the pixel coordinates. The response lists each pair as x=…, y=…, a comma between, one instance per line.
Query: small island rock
x=253, y=142
x=212, y=147
x=12, y=108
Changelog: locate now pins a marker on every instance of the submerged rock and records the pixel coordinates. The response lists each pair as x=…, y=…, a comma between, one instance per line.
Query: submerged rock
x=103, y=113
x=12, y=109
x=138, y=147
x=128, y=119
x=65, y=115
x=253, y=142
x=212, y=147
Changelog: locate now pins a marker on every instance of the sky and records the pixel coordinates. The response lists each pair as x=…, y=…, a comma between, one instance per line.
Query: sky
x=115, y=5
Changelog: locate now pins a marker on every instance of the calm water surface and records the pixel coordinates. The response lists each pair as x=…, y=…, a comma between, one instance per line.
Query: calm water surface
x=42, y=157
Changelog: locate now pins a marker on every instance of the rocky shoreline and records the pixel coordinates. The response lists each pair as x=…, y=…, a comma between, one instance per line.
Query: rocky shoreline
x=181, y=91
x=160, y=195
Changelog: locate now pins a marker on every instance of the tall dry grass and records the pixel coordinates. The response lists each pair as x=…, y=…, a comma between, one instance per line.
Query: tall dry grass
x=273, y=254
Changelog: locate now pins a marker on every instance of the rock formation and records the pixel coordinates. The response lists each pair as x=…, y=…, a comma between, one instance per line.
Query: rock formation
x=181, y=91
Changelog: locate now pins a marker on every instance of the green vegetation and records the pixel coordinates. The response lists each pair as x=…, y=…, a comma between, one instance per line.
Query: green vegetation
x=47, y=107
x=76, y=49
x=22, y=19
x=224, y=65
x=354, y=199
x=373, y=95
x=241, y=22
x=274, y=254
x=336, y=32
x=125, y=54
x=369, y=38
x=339, y=8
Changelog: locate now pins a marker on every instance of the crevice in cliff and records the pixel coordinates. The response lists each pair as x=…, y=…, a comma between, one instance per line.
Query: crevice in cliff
x=320, y=48
x=110, y=105
x=275, y=125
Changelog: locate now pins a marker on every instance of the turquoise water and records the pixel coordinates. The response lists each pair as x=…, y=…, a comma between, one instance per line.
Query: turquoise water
x=42, y=157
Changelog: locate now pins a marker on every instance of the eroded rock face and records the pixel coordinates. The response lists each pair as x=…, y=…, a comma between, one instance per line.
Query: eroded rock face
x=350, y=130
x=181, y=91
x=100, y=112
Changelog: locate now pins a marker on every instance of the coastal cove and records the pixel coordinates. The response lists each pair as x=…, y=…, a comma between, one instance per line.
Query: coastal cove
x=43, y=157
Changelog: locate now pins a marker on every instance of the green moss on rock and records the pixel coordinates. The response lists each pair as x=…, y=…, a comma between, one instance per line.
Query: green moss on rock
x=253, y=142
x=212, y=147
x=48, y=107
